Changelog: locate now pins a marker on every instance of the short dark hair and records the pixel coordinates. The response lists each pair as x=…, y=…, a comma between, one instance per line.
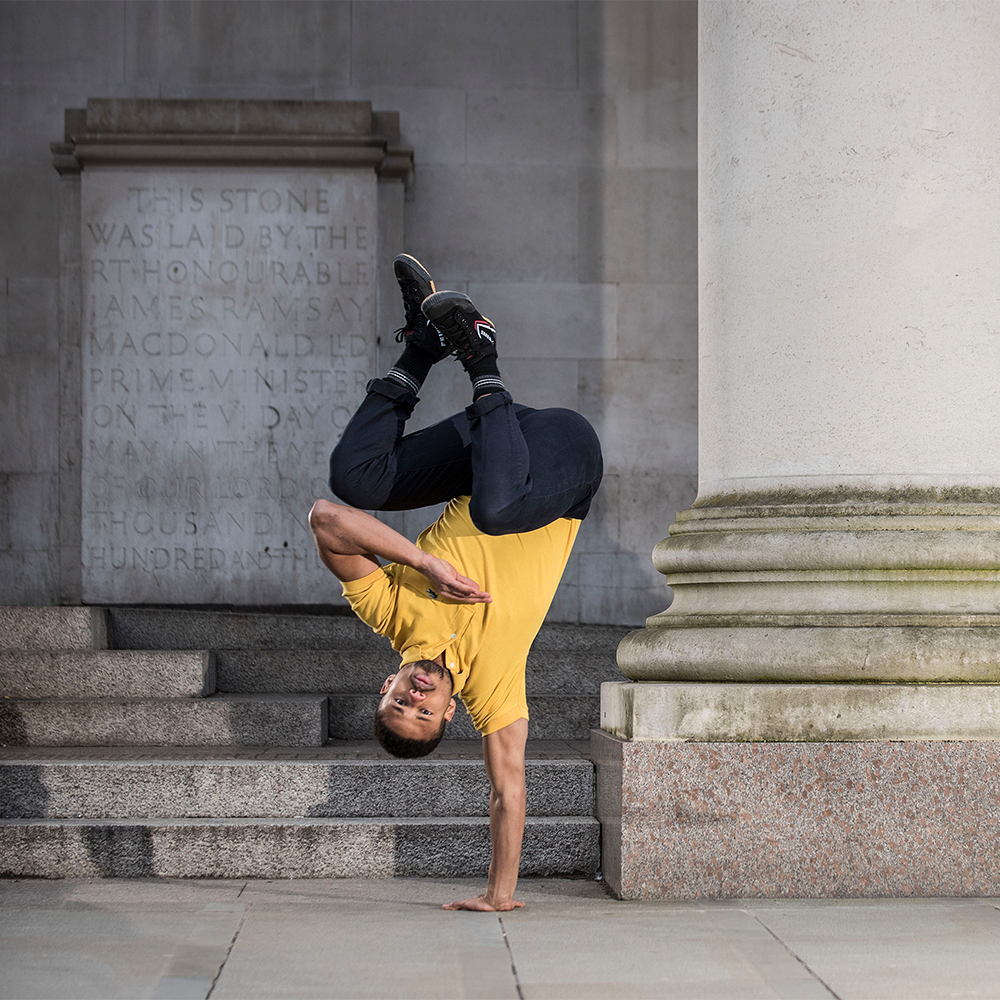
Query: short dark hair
x=403, y=746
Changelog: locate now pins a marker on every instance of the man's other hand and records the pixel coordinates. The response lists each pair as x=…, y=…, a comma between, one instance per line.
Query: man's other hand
x=449, y=583
x=482, y=903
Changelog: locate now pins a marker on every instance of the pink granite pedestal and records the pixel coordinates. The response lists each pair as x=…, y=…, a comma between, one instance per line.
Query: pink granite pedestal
x=732, y=820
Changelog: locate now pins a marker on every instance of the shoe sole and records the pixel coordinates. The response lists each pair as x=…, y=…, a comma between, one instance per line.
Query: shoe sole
x=412, y=270
x=435, y=307
x=439, y=304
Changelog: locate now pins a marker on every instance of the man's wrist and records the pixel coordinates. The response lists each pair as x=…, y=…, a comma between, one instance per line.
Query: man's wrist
x=422, y=562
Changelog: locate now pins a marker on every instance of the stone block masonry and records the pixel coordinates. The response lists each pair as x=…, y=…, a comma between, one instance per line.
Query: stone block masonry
x=535, y=162
x=737, y=820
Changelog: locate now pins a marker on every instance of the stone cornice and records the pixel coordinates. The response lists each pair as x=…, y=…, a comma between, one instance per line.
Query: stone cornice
x=233, y=133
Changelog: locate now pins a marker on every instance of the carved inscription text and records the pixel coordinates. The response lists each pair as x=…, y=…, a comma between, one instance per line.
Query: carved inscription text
x=228, y=335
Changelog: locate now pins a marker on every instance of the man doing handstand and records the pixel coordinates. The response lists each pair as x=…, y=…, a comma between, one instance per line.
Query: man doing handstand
x=463, y=605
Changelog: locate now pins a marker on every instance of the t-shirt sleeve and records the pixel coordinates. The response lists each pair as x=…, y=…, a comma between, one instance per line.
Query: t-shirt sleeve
x=373, y=598
x=509, y=704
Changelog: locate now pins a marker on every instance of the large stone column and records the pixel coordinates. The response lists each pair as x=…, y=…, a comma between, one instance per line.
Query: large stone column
x=837, y=581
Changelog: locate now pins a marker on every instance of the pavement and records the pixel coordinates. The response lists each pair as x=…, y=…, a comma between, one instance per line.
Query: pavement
x=163, y=938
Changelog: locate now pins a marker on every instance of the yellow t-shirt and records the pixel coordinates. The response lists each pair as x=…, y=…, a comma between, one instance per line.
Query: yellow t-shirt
x=487, y=644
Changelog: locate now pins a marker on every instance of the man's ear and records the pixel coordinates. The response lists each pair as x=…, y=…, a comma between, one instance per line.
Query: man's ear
x=450, y=710
x=387, y=683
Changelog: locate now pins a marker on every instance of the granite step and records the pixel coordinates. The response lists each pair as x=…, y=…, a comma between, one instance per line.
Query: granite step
x=315, y=847
x=360, y=671
x=304, y=670
x=552, y=717
x=163, y=628
x=54, y=628
x=80, y=784
x=594, y=646
x=221, y=720
x=106, y=673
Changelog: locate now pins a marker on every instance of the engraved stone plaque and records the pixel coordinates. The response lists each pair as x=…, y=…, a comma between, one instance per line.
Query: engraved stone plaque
x=228, y=333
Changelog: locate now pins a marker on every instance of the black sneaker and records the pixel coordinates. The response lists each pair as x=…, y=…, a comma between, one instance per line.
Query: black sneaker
x=470, y=335
x=415, y=283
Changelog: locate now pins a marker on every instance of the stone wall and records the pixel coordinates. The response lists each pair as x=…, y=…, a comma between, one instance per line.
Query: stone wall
x=555, y=181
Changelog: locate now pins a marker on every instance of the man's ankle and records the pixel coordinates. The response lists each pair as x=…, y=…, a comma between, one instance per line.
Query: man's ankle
x=411, y=368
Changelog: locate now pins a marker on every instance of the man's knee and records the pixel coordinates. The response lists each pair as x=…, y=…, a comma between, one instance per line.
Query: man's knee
x=340, y=473
x=491, y=522
x=510, y=520
x=355, y=483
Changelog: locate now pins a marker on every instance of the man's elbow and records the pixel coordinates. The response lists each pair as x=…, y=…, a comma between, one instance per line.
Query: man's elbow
x=325, y=520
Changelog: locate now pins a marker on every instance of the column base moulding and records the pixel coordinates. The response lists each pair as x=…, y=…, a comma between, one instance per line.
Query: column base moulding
x=735, y=820
x=680, y=711
x=918, y=651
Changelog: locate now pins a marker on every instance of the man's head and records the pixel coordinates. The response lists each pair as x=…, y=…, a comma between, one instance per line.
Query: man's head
x=416, y=703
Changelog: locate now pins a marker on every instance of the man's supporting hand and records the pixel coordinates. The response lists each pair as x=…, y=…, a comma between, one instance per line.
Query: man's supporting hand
x=503, y=754
x=482, y=902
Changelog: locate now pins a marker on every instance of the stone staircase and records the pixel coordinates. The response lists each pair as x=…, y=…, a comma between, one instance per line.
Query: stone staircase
x=142, y=742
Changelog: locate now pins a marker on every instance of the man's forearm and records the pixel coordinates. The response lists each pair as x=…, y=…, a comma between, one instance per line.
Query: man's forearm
x=350, y=542
x=348, y=531
x=506, y=834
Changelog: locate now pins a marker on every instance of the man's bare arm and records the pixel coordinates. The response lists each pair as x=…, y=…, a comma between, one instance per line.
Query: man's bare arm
x=503, y=753
x=351, y=542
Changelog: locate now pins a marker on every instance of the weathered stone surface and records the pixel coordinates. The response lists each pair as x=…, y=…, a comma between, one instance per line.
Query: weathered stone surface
x=203, y=786
x=51, y=44
x=212, y=52
x=53, y=628
x=570, y=127
x=508, y=131
x=588, y=328
x=638, y=226
x=577, y=638
x=706, y=712
x=398, y=43
x=107, y=673
x=848, y=550
x=736, y=820
x=306, y=848
x=542, y=246
x=261, y=720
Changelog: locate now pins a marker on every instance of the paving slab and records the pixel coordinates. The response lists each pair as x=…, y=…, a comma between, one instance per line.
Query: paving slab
x=368, y=949
x=605, y=951
x=895, y=949
x=131, y=952
x=333, y=938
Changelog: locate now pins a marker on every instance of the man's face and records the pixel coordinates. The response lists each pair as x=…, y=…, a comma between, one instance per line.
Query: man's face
x=416, y=700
